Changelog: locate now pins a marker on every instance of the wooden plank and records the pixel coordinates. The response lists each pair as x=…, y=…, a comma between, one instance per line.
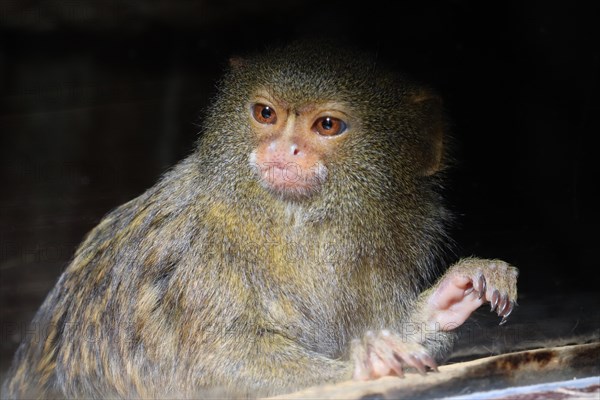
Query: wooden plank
x=506, y=370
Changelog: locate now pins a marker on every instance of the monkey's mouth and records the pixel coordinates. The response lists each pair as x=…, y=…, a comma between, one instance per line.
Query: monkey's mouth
x=290, y=181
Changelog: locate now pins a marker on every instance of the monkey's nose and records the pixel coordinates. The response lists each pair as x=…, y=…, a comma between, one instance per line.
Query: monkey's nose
x=284, y=149
x=294, y=149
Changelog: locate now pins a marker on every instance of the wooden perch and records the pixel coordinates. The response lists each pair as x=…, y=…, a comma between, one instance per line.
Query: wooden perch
x=506, y=370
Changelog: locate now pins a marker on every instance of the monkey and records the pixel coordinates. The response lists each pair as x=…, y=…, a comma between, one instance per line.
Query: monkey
x=300, y=243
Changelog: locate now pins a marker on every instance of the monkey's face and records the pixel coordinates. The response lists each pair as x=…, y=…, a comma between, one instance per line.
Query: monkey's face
x=321, y=126
x=294, y=143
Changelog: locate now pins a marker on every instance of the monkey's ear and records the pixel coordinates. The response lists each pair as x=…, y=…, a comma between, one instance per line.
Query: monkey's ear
x=432, y=125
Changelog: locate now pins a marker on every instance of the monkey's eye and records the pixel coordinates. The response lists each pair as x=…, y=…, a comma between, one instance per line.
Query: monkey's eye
x=329, y=126
x=264, y=114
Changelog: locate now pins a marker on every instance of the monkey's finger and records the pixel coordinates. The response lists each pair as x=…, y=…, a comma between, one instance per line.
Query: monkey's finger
x=417, y=363
x=382, y=347
x=395, y=365
x=362, y=369
x=360, y=372
x=378, y=366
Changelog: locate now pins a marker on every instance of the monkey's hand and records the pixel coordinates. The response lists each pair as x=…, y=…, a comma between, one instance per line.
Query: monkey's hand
x=467, y=285
x=385, y=353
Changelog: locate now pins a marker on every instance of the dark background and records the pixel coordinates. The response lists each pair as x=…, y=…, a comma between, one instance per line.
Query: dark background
x=98, y=99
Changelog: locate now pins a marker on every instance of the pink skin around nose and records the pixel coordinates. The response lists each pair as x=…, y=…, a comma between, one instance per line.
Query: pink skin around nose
x=286, y=164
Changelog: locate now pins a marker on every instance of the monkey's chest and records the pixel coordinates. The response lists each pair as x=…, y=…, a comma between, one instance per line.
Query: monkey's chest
x=299, y=295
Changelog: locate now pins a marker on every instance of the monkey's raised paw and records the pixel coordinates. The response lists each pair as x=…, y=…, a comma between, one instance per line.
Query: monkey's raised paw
x=469, y=284
x=384, y=353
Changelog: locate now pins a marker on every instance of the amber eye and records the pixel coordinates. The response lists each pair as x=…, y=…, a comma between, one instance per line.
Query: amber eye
x=264, y=114
x=329, y=126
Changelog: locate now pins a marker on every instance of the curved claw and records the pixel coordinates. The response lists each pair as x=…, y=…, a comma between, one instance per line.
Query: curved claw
x=502, y=304
x=510, y=310
x=481, y=285
x=507, y=309
x=429, y=361
x=495, y=298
